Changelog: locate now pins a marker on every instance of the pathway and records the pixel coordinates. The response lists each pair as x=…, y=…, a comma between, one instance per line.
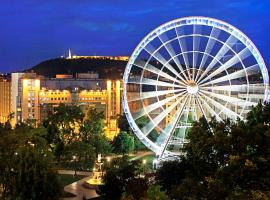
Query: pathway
x=142, y=154
x=72, y=172
x=79, y=190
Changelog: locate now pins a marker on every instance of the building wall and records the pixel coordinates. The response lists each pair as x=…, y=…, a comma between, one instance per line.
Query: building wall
x=15, y=103
x=30, y=99
x=5, y=98
x=35, y=97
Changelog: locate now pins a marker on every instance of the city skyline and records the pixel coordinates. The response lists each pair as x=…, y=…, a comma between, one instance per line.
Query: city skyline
x=35, y=31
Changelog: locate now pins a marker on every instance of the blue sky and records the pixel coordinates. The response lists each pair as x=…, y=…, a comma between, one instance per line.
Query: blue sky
x=35, y=30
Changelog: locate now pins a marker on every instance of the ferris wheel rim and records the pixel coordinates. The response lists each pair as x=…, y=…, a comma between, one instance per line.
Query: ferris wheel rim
x=147, y=39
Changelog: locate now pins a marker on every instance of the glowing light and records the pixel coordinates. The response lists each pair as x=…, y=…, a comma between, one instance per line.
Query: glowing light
x=25, y=83
x=192, y=88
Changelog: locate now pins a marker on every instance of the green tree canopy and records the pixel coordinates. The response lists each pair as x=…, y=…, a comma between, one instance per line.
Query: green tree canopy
x=63, y=124
x=92, y=132
x=223, y=160
x=123, y=143
x=118, y=174
x=25, y=166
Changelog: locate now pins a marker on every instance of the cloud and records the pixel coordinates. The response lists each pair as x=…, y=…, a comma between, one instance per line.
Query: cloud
x=122, y=27
x=90, y=26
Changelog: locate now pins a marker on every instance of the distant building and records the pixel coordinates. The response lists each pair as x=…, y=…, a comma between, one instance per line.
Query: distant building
x=33, y=97
x=71, y=56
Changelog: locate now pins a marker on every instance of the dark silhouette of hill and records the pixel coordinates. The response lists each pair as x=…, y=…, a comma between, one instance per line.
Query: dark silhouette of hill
x=106, y=68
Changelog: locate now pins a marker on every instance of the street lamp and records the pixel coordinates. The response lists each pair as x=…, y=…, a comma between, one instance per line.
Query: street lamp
x=144, y=163
x=108, y=159
x=75, y=164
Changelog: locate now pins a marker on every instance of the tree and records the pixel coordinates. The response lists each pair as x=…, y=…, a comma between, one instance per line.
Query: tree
x=122, y=123
x=136, y=188
x=84, y=152
x=62, y=127
x=32, y=177
x=63, y=124
x=123, y=143
x=92, y=132
x=25, y=166
x=118, y=174
x=154, y=192
x=177, y=171
x=94, y=124
x=222, y=160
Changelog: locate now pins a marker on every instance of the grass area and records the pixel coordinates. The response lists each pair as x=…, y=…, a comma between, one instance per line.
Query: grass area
x=66, y=179
x=149, y=160
x=71, y=166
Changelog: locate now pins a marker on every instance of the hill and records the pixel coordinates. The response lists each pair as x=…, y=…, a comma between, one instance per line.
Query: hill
x=107, y=68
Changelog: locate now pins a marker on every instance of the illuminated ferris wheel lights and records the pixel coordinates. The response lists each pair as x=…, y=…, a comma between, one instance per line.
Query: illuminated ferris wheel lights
x=188, y=68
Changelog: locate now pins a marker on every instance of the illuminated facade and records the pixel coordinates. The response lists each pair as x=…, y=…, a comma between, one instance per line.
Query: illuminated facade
x=5, y=111
x=34, y=97
x=121, y=58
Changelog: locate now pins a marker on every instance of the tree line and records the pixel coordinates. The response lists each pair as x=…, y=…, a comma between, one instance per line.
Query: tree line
x=223, y=160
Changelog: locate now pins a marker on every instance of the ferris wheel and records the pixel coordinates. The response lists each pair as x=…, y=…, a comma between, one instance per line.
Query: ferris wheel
x=189, y=68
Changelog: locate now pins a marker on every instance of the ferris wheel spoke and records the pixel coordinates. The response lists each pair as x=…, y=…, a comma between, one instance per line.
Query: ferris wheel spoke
x=183, y=49
x=141, y=64
x=146, y=95
x=201, y=107
x=155, y=54
x=165, y=133
x=194, y=59
x=147, y=81
x=229, y=113
x=235, y=59
x=235, y=75
x=233, y=88
x=193, y=54
x=209, y=46
x=158, y=104
x=194, y=112
x=222, y=51
x=154, y=122
x=229, y=99
x=166, y=43
x=209, y=109
x=196, y=48
x=169, y=130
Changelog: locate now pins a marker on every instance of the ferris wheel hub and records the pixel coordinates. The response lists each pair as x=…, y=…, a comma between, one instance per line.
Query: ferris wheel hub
x=192, y=88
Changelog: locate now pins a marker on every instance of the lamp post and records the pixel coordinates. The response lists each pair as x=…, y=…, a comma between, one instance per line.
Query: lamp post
x=75, y=164
x=144, y=163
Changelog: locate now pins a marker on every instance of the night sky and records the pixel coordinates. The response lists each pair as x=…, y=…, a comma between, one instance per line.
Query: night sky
x=35, y=30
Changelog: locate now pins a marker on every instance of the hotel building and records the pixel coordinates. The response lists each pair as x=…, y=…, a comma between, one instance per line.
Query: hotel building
x=32, y=97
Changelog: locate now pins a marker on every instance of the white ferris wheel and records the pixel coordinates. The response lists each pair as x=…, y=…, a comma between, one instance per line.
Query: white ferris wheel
x=188, y=68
